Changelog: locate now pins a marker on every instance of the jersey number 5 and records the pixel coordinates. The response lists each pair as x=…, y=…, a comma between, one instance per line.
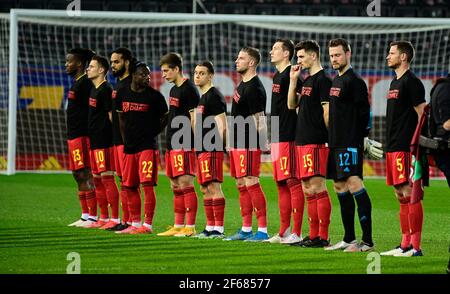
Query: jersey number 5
x=399, y=164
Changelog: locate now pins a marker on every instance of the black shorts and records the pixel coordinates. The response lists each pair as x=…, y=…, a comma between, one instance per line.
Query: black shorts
x=345, y=162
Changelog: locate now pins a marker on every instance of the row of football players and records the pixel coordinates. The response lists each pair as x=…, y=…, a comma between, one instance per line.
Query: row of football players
x=323, y=128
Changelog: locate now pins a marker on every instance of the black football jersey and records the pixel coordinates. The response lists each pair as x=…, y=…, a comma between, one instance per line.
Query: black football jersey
x=287, y=117
x=100, y=126
x=182, y=101
x=78, y=107
x=349, y=113
x=401, y=118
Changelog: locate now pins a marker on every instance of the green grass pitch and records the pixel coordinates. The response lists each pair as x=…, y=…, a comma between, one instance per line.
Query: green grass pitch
x=34, y=237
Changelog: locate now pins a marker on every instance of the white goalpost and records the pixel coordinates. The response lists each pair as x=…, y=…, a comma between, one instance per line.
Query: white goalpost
x=34, y=85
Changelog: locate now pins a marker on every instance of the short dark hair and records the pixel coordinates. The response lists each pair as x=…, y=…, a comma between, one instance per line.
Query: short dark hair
x=135, y=65
x=125, y=52
x=82, y=54
x=340, y=42
x=172, y=60
x=308, y=46
x=287, y=45
x=404, y=47
x=102, y=62
x=208, y=64
x=253, y=52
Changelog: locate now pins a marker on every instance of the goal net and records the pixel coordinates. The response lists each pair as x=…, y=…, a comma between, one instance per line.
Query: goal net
x=37, y=142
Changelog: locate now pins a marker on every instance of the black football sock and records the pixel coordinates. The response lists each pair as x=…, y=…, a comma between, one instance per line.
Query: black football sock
x=348, y=215
x=364, y=214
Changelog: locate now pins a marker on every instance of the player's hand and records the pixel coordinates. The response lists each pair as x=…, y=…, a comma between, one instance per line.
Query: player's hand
x=373, y=148
x=295, y=71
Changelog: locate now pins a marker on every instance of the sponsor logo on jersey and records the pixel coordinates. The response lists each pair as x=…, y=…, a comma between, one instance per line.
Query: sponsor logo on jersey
x=174, y=101
x=393, y=94
x=71, y=95
x=306, y=91
x=335, y=92
x=114, y=93
x=276, y=88
x=131, y=106
x=92, y=102
x=236, y=97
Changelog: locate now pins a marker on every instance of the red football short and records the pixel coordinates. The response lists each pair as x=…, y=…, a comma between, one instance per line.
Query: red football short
x=102, y=160
x=141, y=167
x=79, y=157
x=312, y=160
x=284, y=160
x=180, y=162
x=210, y=167
x=118, y=159
x=245, y=162
x=398, y=166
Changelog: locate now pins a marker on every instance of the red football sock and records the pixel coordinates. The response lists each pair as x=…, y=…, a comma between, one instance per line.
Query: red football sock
x=112, y=195
x=259, y=204
x=149, y=204
x=297, y=204
x=178, y=207
x=209, y=211
x=415, y=217
x=404, y=222
x=190, y=203
x=91, y=202
x=219, y=211
x=100, y=194
x=245, y=203
x=83, y=203
x=124, y=201
x=134, y=204
x=323, y=213
x=313, y=216
x=284, y=205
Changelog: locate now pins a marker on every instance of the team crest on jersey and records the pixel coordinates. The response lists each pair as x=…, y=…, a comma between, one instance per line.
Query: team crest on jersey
x=71, y=95
x=306, y=91
x=114, y=93
x=276, y=88
x=236, y=97
x=92, y=102
x=131, y=106
x=393, y=94
x=201, y=109
x=174, y=101
x=335, y=92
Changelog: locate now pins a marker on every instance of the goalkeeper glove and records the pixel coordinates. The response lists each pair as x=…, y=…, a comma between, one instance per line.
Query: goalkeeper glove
x=373, y=148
